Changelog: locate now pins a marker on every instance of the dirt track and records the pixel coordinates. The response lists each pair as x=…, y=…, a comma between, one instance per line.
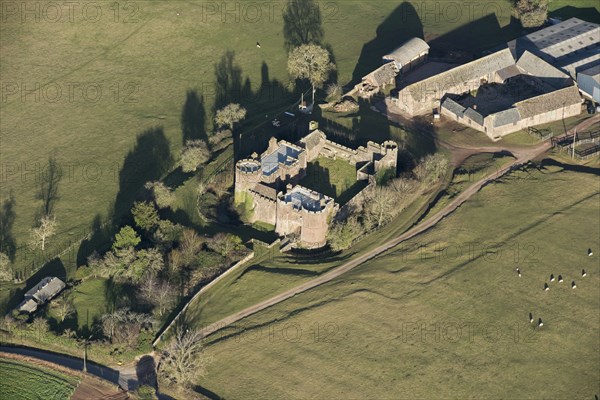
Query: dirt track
x=523, y=155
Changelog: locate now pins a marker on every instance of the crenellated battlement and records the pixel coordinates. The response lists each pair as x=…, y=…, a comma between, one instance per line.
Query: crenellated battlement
x=297, y=210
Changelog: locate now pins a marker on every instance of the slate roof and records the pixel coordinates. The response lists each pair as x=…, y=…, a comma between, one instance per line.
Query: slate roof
x=508, y=72
x=461, y=74
x=537, y=67
x=408, y=51
x=505, y=117
x=454, y=107
x=46, y=289
x=550, y=101
x=473, y=115
x=285, y=154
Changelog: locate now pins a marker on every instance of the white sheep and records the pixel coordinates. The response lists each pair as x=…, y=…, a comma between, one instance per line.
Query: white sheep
x=546, y=287
x=560, y=279
x=551, y=277
x=540, y=323
x=573, y=285
x=583, y=274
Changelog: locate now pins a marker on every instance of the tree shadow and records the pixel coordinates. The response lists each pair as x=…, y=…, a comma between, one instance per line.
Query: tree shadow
x=145, y=370
x=48, y=190
x=149, y=160
x=99, y=241
x=489, y=33
x=402, y=24
x=193, y=118
x=8, y=244
x=590, y=14
x=206, y=392
x=119, y=295
x=302, y=23
x=53, y=267
x=228, y=81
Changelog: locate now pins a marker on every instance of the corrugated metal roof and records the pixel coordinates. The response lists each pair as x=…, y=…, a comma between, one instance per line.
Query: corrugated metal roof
x=570, y=44
x=593, y=72
x=408, y=51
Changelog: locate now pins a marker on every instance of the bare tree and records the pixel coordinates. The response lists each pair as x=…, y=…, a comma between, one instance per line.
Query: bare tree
x=40, y=326
x=183, y=360
x=124, y=326
x=380, y=206
x=6, y=272
x=41, y=233
x=194, y=154
x=163, y=196
x=230, y=115
x=190, y=245
x=160, y=294
x=63, y=308
x=311, y=62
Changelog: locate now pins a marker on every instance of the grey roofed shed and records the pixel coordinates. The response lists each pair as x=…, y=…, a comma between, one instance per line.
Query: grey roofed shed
x=589, y=82
x=46, y=289
x=28, y=306
x=408, y=51
x=454, y=107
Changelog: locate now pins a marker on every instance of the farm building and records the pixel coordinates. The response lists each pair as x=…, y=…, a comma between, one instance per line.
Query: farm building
x=405, y=58
x=589, y=83
x=425, y=95
x=410, y=54
x=41, y=293
x=571, y=45
x=556, y=105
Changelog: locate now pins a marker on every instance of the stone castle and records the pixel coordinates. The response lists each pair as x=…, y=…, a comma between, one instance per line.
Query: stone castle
x=268, y=184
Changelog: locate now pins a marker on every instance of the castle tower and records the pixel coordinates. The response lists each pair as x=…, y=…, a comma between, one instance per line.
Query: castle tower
x=248, y=173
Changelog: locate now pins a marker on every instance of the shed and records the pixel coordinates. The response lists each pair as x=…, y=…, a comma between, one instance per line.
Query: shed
x=411, y=52
x=589, y=82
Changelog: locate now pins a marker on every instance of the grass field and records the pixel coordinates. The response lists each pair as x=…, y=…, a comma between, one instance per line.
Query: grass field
x=443, y=315
x=135, y=73
x=334, y=178
x=272, y=272
x=24, y=381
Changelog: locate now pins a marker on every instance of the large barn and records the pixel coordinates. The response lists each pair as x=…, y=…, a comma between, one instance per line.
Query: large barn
x=572, y=45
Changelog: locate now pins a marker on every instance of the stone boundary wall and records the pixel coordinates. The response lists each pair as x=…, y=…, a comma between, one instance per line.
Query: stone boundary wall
x=204, y=289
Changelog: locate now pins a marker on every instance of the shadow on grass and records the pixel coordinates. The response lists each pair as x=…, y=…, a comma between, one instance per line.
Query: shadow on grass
x=149, y=160
x=279, y=270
